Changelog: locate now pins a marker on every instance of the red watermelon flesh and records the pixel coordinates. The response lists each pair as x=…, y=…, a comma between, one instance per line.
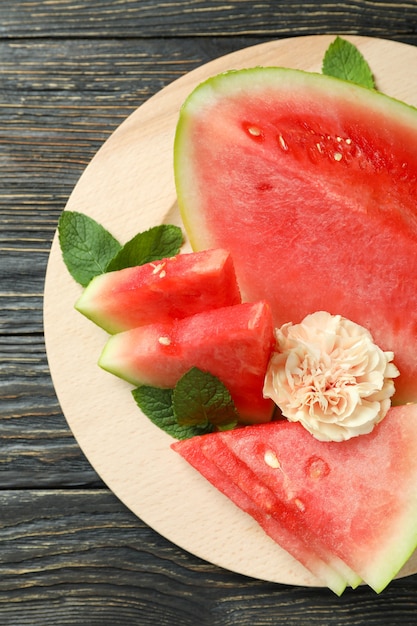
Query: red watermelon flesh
x=201, y=454
x=233, y=343
x=311, y=183
x=156, y=292
x=277, y=511
x=358, y=496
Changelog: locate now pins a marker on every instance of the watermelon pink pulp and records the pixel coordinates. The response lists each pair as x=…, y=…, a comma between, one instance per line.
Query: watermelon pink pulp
x=311, y=183
x=356, y=499
x=159, y=291
x=233, y=343
x=215, y=462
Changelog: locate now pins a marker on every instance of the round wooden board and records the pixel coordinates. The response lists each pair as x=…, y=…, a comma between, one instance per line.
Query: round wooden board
x=129, y=187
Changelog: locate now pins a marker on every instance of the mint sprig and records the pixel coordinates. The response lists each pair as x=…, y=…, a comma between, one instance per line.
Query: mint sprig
x=86, y=246
x=88, y=249
x=156, y=243
x=343, y=60
x=198, y=404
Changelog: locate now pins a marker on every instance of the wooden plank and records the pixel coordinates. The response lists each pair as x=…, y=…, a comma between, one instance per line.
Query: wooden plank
x=80, y=557
x=147, y=18
x=37, y=447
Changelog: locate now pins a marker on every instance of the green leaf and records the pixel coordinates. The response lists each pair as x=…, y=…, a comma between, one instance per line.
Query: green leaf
x=198, y=404
x=343, y=60
x=86, y=246
x=156, y=404
x=199, y=398
x=156, y=243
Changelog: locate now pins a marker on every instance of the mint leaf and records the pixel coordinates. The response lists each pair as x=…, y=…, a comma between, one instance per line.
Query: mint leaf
x=156, y=404
x=343, y=60
x=156, y=243
x=199, y=398
x=88, y=249
x=198, y=404
x=86, y=246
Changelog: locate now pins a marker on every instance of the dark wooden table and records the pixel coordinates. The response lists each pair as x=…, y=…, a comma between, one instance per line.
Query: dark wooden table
x=71, y=553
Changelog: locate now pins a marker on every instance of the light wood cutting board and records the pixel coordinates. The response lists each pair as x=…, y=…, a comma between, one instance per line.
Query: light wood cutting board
x=129, y=187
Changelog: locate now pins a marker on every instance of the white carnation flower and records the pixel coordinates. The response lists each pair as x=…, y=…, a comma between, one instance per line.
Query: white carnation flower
x=328, y=374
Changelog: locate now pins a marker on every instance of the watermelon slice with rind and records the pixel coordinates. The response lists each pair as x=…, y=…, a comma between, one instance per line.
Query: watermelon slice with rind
x=174, y=287
x=233, y=343
x=203, y=455
x=359, y=496
x=311, y=183
x=276, y=513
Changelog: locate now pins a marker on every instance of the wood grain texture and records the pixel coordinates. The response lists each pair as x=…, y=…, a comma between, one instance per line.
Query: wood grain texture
x=37, y=447
x=187, y=18
x=70, y=73
x=80, y=557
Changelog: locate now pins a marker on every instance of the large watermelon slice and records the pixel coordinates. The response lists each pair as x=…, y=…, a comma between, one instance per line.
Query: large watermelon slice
x=358, y=496
x=311, y=183
x=233, y=343
x=156, y=292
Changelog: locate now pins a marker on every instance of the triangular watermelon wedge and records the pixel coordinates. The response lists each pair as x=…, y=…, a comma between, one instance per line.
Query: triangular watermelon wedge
x=233, y=343
x=159, y=291
x=277, y=510
x=359, y=496
x=203, y=454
